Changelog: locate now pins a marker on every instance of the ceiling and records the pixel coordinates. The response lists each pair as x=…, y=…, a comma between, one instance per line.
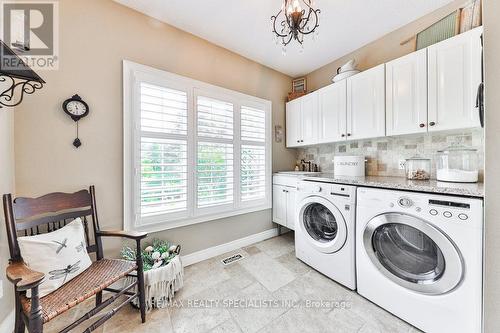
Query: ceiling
x=244, y=27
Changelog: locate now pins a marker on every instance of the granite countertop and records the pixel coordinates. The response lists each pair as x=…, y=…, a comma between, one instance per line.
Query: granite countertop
x=398, y=183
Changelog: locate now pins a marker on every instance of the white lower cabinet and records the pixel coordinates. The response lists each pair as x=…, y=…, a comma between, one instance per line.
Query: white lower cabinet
x=290, y=208
x=279, y=204
x=284, y=206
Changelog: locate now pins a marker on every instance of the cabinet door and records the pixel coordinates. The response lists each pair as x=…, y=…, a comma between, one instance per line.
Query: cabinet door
x=279, y=204
x=366, y=104
x=332, y=112
x=293, y=123
x=406, y=94
x=290, y=208
x=309, y=115
x=454, y=77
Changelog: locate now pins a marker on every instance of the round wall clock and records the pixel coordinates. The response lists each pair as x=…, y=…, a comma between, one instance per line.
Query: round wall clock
x=76, y=108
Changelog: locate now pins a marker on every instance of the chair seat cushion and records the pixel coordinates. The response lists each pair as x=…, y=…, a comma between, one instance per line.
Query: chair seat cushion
x=101, y=274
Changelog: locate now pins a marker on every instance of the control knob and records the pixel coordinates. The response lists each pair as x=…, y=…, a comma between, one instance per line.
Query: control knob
x=405, y=202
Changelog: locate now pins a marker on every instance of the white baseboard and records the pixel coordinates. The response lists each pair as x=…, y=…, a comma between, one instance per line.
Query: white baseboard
x=7, y=325
x=214, y=251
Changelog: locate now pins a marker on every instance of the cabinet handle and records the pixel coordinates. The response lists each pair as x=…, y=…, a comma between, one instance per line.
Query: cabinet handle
x=343, y=135
x=422, y=125
x=301, y=140
x=348, y=134
x=432, y=123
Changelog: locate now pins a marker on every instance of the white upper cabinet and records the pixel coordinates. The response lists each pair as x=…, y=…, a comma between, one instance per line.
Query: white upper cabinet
x=302, y=121
x=332, y=112
x=366, y=104
x=406, y=94
x=454, y=77
x=293, y=123
x=309, y=112
x=433, y=89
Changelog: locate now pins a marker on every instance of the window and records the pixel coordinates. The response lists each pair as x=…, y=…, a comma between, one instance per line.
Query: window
x=215, y=164
x=193, y=152
x=253, y=154
x=163, y=150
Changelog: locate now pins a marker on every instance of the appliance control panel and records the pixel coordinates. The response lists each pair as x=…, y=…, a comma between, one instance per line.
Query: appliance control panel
x=434, y=208
x=437, y=208
x=449, y=209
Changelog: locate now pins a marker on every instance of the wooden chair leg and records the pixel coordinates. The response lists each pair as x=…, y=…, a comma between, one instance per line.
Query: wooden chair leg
x=98, y=298
x=35, y=320
x=140, y=280
x=19, y=326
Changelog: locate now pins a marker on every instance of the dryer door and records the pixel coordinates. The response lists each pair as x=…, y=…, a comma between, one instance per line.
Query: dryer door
x=413, y=253
x=322, y=224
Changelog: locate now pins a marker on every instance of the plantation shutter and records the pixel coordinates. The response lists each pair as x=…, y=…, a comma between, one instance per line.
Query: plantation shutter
x=163, y=150
x=253, y=154
x=215, y=150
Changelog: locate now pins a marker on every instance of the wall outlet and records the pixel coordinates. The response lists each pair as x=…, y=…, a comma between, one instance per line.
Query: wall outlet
x=402, y=164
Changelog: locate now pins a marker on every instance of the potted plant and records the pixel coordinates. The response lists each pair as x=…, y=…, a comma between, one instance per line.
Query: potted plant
x=163, y=272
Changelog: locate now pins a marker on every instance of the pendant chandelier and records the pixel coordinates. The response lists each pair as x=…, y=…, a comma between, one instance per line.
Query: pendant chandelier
x=296, y=19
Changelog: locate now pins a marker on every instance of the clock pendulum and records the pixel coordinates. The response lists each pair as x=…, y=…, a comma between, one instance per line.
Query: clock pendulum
x=76, y=108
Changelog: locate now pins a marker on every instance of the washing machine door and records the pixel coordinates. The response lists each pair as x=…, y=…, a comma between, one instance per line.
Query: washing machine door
x=322, y=224
x=413, y=253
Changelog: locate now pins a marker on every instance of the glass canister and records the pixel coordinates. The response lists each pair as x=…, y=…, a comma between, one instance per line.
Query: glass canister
x=418, y=168
x=457, y=164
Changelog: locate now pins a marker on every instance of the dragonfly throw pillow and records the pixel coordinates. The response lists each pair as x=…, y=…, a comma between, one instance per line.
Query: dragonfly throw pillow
x=61, y=255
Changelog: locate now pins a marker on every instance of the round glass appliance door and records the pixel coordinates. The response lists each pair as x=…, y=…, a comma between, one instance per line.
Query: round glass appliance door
x=322, y=224
x=413, y=253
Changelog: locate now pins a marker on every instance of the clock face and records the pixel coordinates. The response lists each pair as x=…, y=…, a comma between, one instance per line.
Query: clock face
x=76, y=108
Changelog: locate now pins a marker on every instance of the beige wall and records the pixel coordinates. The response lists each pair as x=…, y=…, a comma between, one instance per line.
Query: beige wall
x=382, y=50
x=492, y=169
x=6, y=186
x=95, y=36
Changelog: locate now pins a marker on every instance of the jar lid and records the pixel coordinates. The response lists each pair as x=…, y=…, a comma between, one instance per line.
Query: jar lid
x=418, y=158
x=457, y=148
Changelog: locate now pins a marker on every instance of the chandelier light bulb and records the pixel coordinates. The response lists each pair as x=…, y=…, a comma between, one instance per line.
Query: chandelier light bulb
x=296, y=6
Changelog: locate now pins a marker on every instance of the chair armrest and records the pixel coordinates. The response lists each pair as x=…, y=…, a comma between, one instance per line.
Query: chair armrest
x=120, y=233
x=22, y=276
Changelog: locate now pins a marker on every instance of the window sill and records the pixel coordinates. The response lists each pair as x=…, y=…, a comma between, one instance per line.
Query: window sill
x=172, y=224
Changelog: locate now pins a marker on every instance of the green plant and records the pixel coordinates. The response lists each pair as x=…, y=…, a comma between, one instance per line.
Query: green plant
x=156, y=255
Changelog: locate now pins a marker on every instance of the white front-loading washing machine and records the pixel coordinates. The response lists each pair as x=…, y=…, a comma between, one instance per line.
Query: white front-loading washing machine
x=420, y=256
x=324, y=232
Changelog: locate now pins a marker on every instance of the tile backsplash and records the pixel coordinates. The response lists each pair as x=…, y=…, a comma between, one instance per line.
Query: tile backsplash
x=383, y=154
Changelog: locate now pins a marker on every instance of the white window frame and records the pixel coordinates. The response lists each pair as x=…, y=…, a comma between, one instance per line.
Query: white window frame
x=133, y=75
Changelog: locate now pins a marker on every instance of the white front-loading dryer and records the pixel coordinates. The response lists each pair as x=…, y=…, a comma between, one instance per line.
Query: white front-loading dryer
x=324, y=233
x=420, y=257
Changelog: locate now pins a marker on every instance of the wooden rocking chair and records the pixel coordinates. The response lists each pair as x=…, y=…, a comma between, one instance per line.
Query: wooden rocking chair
x=29, y=216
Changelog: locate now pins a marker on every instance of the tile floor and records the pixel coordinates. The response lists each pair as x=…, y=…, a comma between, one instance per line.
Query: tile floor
x=267, y=291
